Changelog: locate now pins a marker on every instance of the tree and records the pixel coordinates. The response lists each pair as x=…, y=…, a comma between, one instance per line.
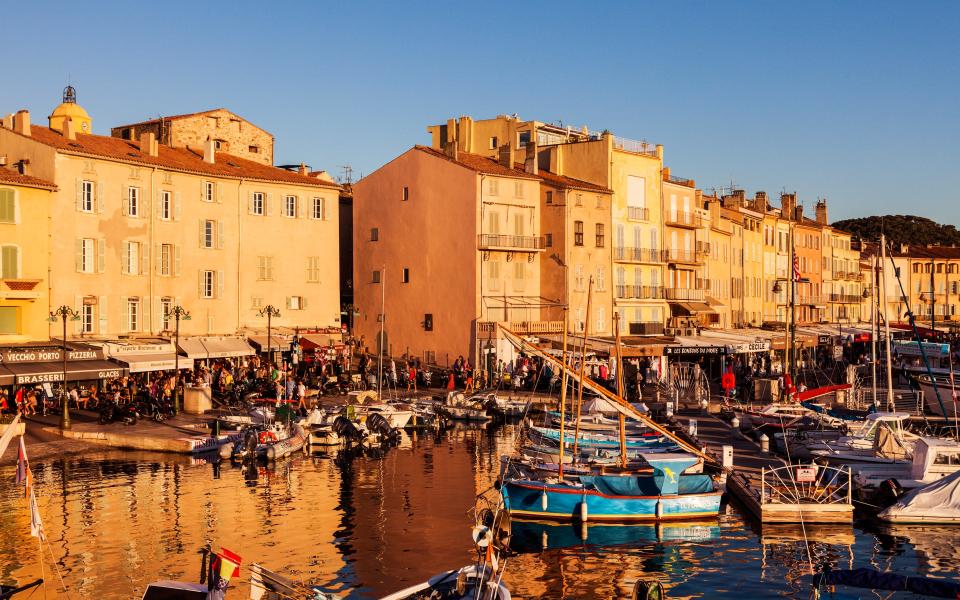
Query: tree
x=902, y=229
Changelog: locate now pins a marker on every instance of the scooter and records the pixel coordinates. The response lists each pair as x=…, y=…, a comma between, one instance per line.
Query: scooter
x=114, y=413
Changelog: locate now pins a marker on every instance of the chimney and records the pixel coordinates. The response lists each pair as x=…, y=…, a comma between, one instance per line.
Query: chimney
x=21, y=122
x=506, y=155
x=530, y=160
x=303, y=170
x=822, y=212
x=799, y=213
x=666, y=173
x=660, y=151
x=787, y=204
x=556, y=160
x=209, y=152
x=148, y=144
x=68, y=131
x=904, y=249
x=8, y=121
x=760, y=199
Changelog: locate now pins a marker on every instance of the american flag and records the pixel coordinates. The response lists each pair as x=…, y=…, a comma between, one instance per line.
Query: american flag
x=796, y=268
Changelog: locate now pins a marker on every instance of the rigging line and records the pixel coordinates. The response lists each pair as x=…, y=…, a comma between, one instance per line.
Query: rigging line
x=793, y=478
x=57, y=569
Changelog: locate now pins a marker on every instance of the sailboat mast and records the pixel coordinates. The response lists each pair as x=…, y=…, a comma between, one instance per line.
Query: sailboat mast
x=563, y=393
x=886, y=320
x=622, y=419
x=383, y=319
x=583, y=364
x=792, y=334
x=874, y=330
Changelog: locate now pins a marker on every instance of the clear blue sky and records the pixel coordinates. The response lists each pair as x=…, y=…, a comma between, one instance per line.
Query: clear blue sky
x=855, y=101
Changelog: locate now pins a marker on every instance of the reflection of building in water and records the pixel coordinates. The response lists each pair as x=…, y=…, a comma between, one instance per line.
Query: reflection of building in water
x=792, y=552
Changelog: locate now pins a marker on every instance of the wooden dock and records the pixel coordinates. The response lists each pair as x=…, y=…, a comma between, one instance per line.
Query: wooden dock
x=771, y=489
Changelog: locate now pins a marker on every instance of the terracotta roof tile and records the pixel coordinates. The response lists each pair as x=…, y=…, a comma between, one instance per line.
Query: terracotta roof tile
x=480, y=164
x=15, y=178
x=567, y=182
x=180, y=159
x=171, y=118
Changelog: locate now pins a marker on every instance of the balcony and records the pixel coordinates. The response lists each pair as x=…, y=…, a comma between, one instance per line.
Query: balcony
x=811, y=300
x=679, y=180
x=854, y=276
x=19, y=289
x=690, y=220
x=521, y=327
x=637, y=147
x=639, y=292
x=846, y=298
x=514, y=243
x=703, y=248
x=645, y=328
x=638, y=213
x=642, y=255
x=683, y=256
x=684, y=294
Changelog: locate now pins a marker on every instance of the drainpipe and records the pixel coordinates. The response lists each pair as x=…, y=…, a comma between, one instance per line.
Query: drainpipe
x=155, y=322
x=476, y=327
x=239, y=245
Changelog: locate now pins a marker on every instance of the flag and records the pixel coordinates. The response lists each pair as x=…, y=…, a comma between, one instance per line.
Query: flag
x=22, y=475
x=796, y=268
x=224, y=566
x=36, y=525
x=9, y=433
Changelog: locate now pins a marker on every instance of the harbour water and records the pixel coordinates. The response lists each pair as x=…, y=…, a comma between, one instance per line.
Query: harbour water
x=366, y=525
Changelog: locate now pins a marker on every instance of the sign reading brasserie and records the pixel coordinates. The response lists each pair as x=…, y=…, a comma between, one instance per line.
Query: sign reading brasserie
x=694, y=350
x=47, y=354
x=55, y=376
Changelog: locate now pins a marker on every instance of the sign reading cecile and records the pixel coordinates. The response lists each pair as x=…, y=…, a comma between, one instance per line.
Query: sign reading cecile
x=46, y=354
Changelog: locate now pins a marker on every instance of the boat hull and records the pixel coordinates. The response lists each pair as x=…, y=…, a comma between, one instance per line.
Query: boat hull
x=524, y=499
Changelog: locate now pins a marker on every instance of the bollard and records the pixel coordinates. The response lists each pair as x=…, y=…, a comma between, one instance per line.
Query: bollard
x=764, y=443
x=669, y=409
x=735, y=423
x=692, y=428
x=216, y=428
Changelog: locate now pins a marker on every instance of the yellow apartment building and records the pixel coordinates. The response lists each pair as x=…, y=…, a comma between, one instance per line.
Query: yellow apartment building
x=843, y=281
x=931, y=277
x=748, y=248
x=719, y=236
x=25, y=204
x=771, y=270
x=138, y=227
x=449, y=243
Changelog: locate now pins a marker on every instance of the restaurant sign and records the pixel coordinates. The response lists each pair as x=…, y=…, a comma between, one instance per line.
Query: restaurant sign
x=57, y=376
x=695, y=351
x=749, y=347
x=46, y=354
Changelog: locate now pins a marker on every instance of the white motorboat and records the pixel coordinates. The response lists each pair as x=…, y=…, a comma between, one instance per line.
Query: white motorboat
x=947, y=398
x=861, y=444
x=932, y=459
x=936, y=503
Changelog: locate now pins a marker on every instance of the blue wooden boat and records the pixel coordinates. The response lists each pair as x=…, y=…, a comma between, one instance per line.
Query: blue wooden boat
x=666, y=494
x=598, y=440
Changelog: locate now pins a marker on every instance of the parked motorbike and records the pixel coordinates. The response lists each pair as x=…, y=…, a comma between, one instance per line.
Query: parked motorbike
x=157, y=410
x=115, y=413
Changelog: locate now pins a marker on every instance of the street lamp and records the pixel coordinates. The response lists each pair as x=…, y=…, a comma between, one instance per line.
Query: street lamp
x=177, y=312
x=269, y=311
x=64, y=312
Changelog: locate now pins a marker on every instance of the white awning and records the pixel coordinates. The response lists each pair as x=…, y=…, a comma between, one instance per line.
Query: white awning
x=227, y=347
x=193, y=348
x=140, y=363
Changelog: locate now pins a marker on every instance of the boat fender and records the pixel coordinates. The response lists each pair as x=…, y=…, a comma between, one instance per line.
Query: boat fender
x=659, y=509
x=645, y=589
x=584, y=530
x=271, y=452
x=583, y=509
x=544, y=543
x=226, y=450
x=462, y=582
x=543, y=500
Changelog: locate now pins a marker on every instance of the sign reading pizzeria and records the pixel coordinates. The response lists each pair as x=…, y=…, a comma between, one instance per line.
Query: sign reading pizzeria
x=46, y=354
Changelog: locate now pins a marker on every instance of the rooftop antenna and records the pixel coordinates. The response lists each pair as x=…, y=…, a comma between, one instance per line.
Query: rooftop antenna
x=347, y=173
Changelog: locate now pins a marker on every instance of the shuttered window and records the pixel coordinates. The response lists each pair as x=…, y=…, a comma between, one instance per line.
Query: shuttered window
x=8, y=206
x=9, y=262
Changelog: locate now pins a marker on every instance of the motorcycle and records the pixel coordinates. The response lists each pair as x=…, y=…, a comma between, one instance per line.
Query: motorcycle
x=157, y=410
x=115, y=413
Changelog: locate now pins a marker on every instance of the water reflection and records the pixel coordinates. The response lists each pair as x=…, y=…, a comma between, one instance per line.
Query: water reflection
x=368, y=522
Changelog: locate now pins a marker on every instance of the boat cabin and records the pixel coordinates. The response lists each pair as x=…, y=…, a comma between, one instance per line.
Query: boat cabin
x=935, y=458
x=868, y=429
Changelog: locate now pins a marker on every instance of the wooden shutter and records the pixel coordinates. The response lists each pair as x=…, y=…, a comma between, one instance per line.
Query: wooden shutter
x=144, y=257
x=101, y=255
x=125, y=200
x=200, y=284
x=125, y=320
x=250, y=203
x=159, y=206
x=99, y=199
x=219, y=284
x=303, y=303
x=176, y=260
x=102, y=314
x=289, y=302
x=219, y=234
x=126, y=259
x=269, y=207
x=158, y=251
x=79, y=194
x=216, y=193
x=177, y=206
x=202, y=233
x=78, y=250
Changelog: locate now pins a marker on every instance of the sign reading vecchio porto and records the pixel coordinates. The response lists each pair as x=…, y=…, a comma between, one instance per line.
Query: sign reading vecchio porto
x=46, y=354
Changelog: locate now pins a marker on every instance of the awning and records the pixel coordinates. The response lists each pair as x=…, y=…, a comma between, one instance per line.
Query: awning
x=714, y=302
x=6, y=377
x=689, y=308
x=278, y=341
x=140, y=363
x=312, y=341
x=192, y=348
x=226, y=347
x=82, y=370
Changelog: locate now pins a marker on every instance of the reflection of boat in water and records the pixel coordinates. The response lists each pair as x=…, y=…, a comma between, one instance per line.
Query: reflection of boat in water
x=534, y=536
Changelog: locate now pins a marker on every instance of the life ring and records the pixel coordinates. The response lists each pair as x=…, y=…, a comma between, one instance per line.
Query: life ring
x=268, y=437
x=728, y=381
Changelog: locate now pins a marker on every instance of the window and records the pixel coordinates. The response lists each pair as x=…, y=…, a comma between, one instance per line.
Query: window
x=133, y=202
x=578, y=277
x=579, y=200
x=168, y=260
x=916, y=267
x=493, y=143
x=406, y=275
x=549, y=240
x=131, y=258
x=374, y=234
x=578, y=233
x=319, y=209
x=518, y=189
x=87, y=317
x=600, y=202
x=209, y=191
x=256, y=302
x=166, y=205
x=265, y=268
x=376, y=277
x=87, y=198
x=8, y=206
x=133, y=314
x=9, y=262
x=313, y=269
x=296, y=302
x=208, y=233
x=253, y=149
x=939, y=267
x=406, y=194
x=290, y=206
x=493, y=187
x=256, y=203
x=601, y=279
x=601, y=319
x=166, y=319
x=599, y=235
x=523, y=138
x=87, y=255
x=549, y=197
x=207, y=284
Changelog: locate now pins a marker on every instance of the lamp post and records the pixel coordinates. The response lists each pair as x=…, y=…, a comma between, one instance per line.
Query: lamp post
x=269, y=311
x=177, y=312
x=63, y=313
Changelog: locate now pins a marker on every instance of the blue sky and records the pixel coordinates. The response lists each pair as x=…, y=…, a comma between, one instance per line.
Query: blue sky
x=854, y=101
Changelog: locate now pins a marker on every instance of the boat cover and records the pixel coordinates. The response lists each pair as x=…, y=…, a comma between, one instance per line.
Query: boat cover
x=939, y=500
x=650, y=485
x=876, y=580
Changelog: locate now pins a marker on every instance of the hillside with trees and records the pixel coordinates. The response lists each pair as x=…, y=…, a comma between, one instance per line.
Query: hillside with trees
x=902, y=229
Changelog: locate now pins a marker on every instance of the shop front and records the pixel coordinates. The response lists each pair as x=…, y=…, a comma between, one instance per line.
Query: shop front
x=45, y=366
x=213, y=347
x=147, y=356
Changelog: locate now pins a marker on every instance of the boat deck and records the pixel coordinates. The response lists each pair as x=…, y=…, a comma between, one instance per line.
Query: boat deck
x=745, y=482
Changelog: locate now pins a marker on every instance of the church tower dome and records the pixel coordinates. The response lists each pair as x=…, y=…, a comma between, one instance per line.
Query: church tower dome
x=69, y=109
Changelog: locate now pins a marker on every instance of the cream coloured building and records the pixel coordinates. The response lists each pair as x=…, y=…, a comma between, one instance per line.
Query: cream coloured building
x=138, y=227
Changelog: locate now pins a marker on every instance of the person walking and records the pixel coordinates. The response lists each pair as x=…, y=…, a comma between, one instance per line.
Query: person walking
x=411, y=377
